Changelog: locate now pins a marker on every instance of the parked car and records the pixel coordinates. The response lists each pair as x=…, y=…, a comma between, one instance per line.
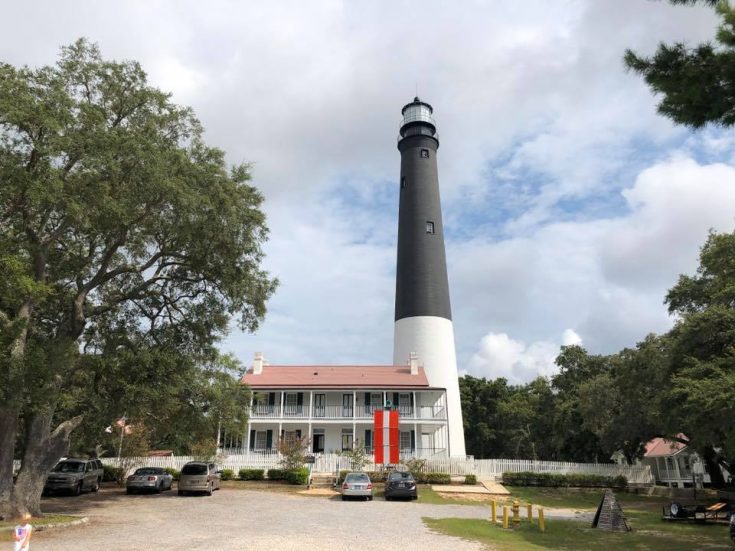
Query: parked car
x=198, y=476
x=74, y=475
x=149, y=479
x=732, y=527
x=400, y=484
x=357, y=485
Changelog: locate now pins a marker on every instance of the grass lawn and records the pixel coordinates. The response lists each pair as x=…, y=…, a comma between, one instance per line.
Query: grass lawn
x=649, y=532
x=6, y=526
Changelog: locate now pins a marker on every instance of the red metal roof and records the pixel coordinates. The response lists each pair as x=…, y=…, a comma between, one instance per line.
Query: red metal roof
x=660, y=447
x=330, y=376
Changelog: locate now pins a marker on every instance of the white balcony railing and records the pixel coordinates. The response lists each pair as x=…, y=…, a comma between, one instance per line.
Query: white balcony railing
x=260, y=411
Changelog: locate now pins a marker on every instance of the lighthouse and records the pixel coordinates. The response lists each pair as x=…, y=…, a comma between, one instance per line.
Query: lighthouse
x=423, y=316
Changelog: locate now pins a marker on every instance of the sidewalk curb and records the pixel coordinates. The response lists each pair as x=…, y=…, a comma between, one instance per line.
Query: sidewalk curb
x=42, y=527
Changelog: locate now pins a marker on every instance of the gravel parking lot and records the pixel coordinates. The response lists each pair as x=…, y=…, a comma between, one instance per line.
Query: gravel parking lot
x=242, y=519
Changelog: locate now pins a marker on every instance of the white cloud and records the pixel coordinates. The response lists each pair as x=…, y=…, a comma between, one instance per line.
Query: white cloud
x=501, y=356
x=607, y=277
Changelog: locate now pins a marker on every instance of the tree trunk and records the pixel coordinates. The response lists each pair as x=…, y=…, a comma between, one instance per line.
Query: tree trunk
x=43, y=449
x=713, y=467
x=8, y=427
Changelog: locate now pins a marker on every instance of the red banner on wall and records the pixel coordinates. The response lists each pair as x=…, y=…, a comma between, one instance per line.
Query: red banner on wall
x=387, y=437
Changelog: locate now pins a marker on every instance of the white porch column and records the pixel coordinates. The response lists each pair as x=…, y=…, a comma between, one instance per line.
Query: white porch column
x=281, y=414
x=679, y=482
x=354, y=408
x=354, y=433
x=311, y=405
x=416, y=436
x=247, y=439
x=415, y=406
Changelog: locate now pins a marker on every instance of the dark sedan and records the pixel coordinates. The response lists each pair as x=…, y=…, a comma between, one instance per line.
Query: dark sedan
x=400, y=485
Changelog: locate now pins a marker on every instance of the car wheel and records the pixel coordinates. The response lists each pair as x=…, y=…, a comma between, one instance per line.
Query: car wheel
x=344, y=498
x=181, y=492
x=388, y=498
x=96, y=486
x=159, y=488
x=210, y=490
x=78, y=489
x=370, y=498
x=128, y=491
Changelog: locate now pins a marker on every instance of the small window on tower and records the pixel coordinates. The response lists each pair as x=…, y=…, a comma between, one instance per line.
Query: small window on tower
x=424, y=153
x=403, y=182
x=429, y=226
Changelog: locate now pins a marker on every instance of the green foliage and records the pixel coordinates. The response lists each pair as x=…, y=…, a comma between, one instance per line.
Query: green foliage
x=227, y=474
x=434, y=478
x=276, y=474
x=111, y=474
x=357, y=456
x=252, y=474
x=122, y=230
x=470, y=479
x=415, y=466
x=293, y=452
x=696, y=84
x=297, y=476
x=564, y=480
x=204, y=450
x=173, y=472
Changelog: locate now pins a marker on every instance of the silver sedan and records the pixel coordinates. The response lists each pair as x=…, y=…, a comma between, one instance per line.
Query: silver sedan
x=153, y=479
x=357, y=485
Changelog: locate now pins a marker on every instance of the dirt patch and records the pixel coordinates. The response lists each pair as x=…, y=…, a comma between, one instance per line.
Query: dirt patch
x=481, y=498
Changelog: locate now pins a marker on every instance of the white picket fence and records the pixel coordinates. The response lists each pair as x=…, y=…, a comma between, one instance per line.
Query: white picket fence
x=482, y=468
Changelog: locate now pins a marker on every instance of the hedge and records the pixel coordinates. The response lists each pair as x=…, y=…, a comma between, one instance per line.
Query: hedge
x=173, y=472
x=298, y=476
x=251, y=474
x=470, y=479
x=276, y=474
x=227, y=474
x=576, y=480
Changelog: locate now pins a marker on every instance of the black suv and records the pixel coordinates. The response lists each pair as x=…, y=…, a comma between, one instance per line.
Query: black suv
x=74, y=475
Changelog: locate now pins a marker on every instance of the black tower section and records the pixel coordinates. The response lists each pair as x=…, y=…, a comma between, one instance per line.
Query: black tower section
x=421, y=273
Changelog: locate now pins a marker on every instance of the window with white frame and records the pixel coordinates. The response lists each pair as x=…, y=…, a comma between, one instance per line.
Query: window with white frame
x=291, y=400
x=346, y=439
x=261, y=439
x=406, y=440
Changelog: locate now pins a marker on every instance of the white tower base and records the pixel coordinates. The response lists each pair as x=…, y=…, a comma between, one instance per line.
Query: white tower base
x=432, y=338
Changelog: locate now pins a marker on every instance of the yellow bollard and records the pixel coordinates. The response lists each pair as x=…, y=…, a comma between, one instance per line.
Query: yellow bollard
x=493, y=511
x=541, y=525
x=516, y=513
x=529, y=509
x=505, y=516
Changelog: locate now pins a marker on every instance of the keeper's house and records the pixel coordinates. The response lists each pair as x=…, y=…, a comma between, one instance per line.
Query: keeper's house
x=333, y=406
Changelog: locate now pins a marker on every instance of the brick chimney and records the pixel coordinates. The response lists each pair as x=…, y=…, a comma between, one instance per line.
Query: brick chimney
x=258, y=363
x=413, y=361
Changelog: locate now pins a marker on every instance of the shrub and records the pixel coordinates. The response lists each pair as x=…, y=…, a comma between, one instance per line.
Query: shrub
x=572, y=480
x=276, y=474
x=433, y=478
x=470, y=479
x=227, y=474
x=297, y=476
x=251, y=474
x=173, y=472
x=110, y=473
x=342, y=475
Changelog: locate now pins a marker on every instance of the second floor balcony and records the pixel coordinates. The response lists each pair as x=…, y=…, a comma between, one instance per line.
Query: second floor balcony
x=341, y=412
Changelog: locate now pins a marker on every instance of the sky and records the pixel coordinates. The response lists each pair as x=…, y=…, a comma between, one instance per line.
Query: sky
x=570, y=206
